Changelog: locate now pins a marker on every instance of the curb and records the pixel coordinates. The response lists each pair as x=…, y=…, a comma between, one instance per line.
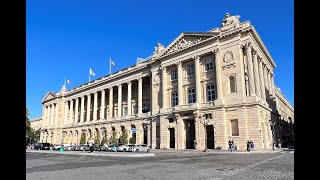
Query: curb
x=86, y=153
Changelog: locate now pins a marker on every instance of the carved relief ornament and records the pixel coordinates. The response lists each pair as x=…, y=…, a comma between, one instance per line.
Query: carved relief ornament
x=228, y=60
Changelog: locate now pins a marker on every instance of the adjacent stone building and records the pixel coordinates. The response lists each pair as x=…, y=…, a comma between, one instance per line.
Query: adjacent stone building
x=209, y=87
x=36, y=123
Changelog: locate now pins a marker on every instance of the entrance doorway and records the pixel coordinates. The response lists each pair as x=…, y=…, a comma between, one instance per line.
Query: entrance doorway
x=145, y=134
x=190, y=134
x=210, y=137
x=172, y=139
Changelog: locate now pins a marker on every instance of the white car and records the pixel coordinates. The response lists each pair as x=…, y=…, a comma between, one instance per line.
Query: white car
x=132, y=148
x=142, y=148
x=123, y=148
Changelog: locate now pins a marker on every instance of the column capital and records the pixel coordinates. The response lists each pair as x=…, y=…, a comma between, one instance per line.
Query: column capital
x=129, y=82
x=110, y=88
x=163, y=68
x=196, y=58
x=254, y=53
x=246, y=46
x=103, y=90
x=95, y=93
x=178, y=63
x=216, y=51
x=119, y=85
x=139, y=79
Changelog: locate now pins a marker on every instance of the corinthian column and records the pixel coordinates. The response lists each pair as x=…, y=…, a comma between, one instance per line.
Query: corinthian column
x=198, y=83
x=216, y=53
x=256, y=75
x=65, y=112
x=140, y=96
x=51, y=115
x=272, y=86
x=56, y=115
x=129, y=98
x=119, y=100
x=110, y=102
x=265, y=78
x=250, y=69
x=82, y=109
x=261, y=78
x=76, y=113
x=180, y=97
x=95, y=103
x=164, y=87
x=103, y=96
x=88, y=107
x=71, y=112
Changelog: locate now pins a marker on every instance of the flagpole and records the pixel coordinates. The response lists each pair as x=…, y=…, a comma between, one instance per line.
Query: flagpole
x=110, y=66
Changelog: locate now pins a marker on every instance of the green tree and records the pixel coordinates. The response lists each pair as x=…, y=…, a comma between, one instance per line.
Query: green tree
x=97, y=140
x=114, y=139
x=124, y=136
x=83, y=138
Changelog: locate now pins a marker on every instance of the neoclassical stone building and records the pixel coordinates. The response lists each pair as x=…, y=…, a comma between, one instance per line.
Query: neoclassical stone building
x=209, y=86
x=36, y=123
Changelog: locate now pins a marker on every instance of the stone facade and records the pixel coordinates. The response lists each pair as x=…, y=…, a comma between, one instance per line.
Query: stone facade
x=209, y=87
x=36, y=123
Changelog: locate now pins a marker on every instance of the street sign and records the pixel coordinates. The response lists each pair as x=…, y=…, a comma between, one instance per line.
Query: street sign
x=46, y=136
x=133, y=130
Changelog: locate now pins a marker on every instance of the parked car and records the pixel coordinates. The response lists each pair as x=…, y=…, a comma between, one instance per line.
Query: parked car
x=142, y=148
x=109, y=147
x=123, y=148
x=42, y=146
x=85, y=147
x=132, y=148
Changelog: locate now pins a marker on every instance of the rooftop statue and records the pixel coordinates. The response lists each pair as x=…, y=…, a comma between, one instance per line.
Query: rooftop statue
x=229, y=22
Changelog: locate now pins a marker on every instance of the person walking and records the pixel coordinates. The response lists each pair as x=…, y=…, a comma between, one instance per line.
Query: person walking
x=195, y=145
x=230, y=144
x=91, y=145
x=252, y=145
x=248, y=146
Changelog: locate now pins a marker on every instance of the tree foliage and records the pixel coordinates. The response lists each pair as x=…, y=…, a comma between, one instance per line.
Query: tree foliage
x=114, y=139
x=83, y=138
x=124, y=136
x=97, y=139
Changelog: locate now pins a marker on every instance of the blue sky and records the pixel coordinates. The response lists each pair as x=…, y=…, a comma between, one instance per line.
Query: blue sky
x=64, y=38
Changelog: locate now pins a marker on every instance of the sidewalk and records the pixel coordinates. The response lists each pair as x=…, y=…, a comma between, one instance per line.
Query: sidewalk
x=213, y=151
x=95, y=153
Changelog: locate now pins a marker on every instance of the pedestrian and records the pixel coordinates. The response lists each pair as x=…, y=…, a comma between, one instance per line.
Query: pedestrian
x=230, y=144
x=252, y=146
x=91, y=145
x=248, y=146
x=195, y=145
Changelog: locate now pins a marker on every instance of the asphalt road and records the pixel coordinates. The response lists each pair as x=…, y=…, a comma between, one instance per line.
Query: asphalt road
x=187, y=166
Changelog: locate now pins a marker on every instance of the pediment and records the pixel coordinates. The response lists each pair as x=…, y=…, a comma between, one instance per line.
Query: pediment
x=186, y=40
x=48, y=96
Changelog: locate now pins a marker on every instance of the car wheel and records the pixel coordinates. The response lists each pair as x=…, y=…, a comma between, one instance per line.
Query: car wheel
x=137, y=150
x=148, y=150
x=124, y=150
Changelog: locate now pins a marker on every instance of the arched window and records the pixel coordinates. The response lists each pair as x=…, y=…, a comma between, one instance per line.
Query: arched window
x=232, y=82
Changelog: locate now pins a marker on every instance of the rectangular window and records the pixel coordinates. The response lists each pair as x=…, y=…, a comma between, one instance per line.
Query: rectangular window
x=209, y=64
x=170, y=120
x=211, y=95
x=208, y=116
x=174, y=74
x=190, y=69
x=192, y=95
x=174, y=99
x=234, y=127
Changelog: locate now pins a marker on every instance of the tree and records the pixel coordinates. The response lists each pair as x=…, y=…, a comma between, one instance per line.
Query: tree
x=97, y=140
x=114, y=139
x=83, y=138
x=124, y=136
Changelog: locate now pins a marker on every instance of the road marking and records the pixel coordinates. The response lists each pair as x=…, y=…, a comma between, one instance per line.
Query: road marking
x=83, y=156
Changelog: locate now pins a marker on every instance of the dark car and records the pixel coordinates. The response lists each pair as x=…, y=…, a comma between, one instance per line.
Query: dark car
x=42, y=146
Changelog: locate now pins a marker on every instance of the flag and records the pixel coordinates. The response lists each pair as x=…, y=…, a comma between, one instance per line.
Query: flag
x=112, y=63
x=92, y=73
x=68, y=81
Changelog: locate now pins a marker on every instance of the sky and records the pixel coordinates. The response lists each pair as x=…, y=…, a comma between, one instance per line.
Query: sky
x=65, y=38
